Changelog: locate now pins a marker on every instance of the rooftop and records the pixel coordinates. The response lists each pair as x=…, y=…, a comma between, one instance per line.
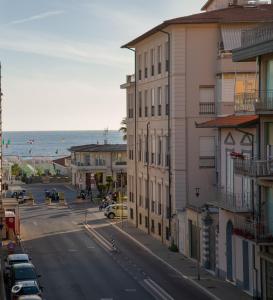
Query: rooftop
x=232, y=121
x=61, y=161
x=233, y=14
x=99, y=148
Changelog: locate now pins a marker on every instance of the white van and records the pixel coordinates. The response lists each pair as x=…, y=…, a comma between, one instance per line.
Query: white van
x=116, y=211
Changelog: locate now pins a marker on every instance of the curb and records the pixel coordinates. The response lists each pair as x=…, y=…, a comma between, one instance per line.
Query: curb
x=166, y=263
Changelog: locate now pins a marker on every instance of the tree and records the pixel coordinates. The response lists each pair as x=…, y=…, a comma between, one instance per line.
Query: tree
x=16, y=170
x=109, y=183
x=123, y=128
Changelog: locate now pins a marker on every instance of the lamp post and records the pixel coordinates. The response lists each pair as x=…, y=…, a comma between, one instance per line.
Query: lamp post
x=197, y=194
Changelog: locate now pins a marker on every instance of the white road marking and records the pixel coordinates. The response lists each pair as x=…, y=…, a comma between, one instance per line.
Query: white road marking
x=74, y=222
x=130, y=290
x=72, y=250
x=35, y=223
x=157, y=290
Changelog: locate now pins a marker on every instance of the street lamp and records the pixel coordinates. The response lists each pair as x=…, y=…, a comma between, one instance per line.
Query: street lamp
x=197, y=194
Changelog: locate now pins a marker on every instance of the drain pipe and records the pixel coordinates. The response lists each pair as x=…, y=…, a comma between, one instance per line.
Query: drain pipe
x=135, y=133
x=148, y=175
x=169, y=132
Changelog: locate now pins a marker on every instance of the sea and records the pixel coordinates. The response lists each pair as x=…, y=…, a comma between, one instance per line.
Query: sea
x=52, y=144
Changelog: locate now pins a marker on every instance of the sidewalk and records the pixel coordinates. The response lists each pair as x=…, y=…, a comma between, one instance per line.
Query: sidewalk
x=216, y=287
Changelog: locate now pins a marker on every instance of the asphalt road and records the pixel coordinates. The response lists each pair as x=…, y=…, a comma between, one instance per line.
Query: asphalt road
x=72, y=265
x=76, y=264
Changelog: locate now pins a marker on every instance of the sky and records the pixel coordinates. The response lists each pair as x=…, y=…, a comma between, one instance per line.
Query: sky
x=62, y=64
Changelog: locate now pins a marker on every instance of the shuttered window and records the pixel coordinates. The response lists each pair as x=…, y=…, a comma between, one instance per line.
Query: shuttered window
x=207, y=100
x=207, y=152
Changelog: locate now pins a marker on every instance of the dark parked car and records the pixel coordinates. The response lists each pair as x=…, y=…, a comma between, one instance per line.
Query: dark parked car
x=29, y=287
x=22, y=272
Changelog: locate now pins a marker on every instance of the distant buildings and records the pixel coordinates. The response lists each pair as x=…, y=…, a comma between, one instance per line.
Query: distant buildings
x=191, y=117
x=62, y=166
x=102, y=160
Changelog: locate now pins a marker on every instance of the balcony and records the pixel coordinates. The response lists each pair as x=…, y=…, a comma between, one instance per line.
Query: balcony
x=245, y=102
x=207, y=108
x=264, y=102
x=252, y=230
x=234, y=202
x=81, y=165
x=253, y=167
x=119, y=165
x=254, y=101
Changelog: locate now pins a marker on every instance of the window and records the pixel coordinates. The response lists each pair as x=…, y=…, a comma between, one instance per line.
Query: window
x=146, y=150
x=152, y=102
x=206, y=101
x=146, y=222
x=140, y=219
x=131, y=147
x=145, y=64
x=140, y=192
x=139, y=148
x=146, y=103
x=99, y=160
x=167, y=156
x=152, y=196
x=159, y=229
x=166, y=100
x=131, y=213
x=139, y=67
x=207, y=152
x=153, y=226
x=159, y=198
x=167, y=63
x=153, y=149
x=140, y=104
x=159, y=59
x=146, y=194
x=152, y=56
x=159, y=101
x=130, y=105
x=159, y=151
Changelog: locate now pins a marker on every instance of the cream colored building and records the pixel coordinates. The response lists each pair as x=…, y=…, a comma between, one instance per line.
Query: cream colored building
x=179, y=82
x=104, y=159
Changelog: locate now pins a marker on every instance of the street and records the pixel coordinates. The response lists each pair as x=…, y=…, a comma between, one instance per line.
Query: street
x=76, y=263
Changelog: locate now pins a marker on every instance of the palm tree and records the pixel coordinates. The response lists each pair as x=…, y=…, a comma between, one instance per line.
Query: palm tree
x=123, y=128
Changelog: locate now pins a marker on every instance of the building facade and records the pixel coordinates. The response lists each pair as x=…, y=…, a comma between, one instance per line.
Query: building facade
x=184, y=75
x=88, y=161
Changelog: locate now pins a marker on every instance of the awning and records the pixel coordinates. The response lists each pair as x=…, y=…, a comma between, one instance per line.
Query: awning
x=232, y=121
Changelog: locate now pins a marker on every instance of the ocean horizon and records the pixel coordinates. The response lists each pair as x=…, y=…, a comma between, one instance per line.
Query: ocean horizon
x=53, y=144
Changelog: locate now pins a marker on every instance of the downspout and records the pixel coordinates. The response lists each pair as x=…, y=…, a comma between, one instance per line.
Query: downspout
x=135, y=134
x=169, y=131
x=148, y=175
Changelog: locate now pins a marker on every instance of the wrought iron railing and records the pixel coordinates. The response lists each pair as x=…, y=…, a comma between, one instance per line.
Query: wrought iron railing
x=235, y=202
x=252, y=230
x=245, y=102
x=253, y=167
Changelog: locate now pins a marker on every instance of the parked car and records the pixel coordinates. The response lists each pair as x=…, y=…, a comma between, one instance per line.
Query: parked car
x=116, y=210
x=30, y=297
x=22, y=272
x=13, y=259
x=29, y=287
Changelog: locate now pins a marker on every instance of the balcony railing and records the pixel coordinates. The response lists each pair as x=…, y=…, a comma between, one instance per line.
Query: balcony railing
x=121, y=163
x=234, y=202
x=207, y=108
x=258, y=35
x=254, y=101
x=80, y=164
x=245, y=102
x=253, y=167
x=252, y=230
x=264, y=101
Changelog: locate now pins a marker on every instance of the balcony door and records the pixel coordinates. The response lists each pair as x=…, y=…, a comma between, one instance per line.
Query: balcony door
x=229, y=173
x=269, y=210
x=269, y=79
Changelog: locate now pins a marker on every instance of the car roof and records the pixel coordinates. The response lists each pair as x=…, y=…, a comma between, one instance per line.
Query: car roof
x=27, y=283
x=20, y=256
x=23, y=265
